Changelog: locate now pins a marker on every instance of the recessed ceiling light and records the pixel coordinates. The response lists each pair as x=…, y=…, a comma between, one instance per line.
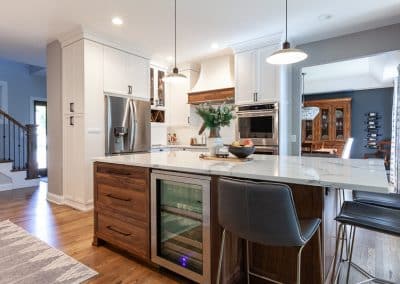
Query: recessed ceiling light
x=214, y=45
x=117, y=21
x=325, y=17
x=170, y=58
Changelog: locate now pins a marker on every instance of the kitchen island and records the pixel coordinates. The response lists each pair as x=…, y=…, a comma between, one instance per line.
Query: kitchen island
x=126, y=209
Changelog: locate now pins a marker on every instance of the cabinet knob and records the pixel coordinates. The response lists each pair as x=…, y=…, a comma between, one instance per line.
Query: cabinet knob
x=129, y=89
x=71, y=107
x=71, y=120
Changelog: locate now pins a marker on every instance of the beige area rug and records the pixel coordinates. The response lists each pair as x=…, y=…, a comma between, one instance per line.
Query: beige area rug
x=26, y=259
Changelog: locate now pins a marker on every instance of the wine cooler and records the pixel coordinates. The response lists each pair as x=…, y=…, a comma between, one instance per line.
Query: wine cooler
x=180, y=224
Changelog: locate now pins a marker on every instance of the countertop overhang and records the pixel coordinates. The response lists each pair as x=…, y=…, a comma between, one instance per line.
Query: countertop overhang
x=354, y=174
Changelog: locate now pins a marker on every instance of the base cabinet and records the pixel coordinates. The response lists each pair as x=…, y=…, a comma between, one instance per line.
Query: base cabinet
x=121, y=215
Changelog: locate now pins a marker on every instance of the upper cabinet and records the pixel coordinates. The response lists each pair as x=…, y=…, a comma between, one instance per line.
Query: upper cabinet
x=256, y=80
x=126, y=74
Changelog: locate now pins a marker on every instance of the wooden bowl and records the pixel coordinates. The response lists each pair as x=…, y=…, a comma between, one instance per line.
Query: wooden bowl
x=242, y=152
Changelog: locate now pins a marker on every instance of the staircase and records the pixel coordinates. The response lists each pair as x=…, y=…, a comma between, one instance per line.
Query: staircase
x=18, y=165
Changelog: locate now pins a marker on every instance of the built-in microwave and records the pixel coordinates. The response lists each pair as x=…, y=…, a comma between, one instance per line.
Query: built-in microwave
x=258, y=122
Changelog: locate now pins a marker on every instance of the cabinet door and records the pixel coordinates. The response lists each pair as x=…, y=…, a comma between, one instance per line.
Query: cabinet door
x=178, y=109
x=245, y=73
x=267, y=77
x=72, y=78
x=115, y=71
x=138, y=76
x=75, y=175
x=325, y=124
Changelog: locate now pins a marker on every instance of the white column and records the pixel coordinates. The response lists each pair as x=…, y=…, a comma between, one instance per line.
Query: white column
x=395, y=147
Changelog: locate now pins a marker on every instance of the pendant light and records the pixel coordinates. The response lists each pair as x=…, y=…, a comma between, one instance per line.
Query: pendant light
x=286, y=55
x=175, y=76
x=307, y=113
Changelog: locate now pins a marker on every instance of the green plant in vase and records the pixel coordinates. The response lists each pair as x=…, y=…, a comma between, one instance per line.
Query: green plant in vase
x=215, y=117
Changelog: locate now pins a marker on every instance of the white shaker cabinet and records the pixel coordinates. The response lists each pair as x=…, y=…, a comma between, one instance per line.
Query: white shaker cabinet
x=126, y=74
x=245, y=73
x=83, y=125
x=177, y=107
x=73, y=71
x=256, y=80
x=115, y=71
x=138, y=72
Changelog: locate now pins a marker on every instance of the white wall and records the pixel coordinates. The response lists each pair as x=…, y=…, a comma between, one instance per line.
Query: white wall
x=54, y=119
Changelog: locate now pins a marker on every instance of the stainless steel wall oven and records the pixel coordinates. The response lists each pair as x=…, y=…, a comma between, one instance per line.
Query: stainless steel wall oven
x=258, y=122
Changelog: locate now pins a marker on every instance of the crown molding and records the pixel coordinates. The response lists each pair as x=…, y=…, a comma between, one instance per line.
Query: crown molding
x=85, y=33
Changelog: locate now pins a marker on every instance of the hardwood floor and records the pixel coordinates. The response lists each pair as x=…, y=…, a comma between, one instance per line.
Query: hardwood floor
x=71, y=231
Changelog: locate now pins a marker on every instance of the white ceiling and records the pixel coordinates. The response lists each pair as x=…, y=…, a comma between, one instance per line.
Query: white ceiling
x=371, y=72
x=27, y=26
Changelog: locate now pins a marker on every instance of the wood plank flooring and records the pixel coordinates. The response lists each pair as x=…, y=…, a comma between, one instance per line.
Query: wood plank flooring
x=71, y=231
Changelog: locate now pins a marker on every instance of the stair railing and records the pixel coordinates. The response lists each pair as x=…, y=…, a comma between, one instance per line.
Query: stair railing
x=18, y=144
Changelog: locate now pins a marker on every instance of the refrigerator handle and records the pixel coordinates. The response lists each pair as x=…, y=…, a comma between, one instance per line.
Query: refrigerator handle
x=132, y=137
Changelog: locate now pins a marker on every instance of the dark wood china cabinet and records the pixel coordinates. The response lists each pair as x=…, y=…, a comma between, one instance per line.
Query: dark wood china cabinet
x=332, y=126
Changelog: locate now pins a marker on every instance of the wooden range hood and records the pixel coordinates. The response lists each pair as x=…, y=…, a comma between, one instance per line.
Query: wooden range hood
x=212, y=96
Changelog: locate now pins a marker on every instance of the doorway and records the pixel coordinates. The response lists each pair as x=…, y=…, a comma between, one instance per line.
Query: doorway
x=40, y=119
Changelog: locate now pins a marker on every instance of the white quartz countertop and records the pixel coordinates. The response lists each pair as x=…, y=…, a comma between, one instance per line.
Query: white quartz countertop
x=356, y=174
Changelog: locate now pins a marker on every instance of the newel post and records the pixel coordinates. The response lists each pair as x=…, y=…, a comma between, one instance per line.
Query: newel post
x=31, y=132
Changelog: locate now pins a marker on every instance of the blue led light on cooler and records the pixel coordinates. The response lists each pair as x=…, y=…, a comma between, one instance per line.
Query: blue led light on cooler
x=183, y=260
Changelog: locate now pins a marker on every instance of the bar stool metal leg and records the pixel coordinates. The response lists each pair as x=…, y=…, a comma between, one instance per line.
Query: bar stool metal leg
x=221, y=255
x=335, y=274
x=298, y=278
x=247, y=262
x=351, y=253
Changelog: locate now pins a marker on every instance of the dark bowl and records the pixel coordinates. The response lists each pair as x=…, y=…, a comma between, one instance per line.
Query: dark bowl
x=242, y=152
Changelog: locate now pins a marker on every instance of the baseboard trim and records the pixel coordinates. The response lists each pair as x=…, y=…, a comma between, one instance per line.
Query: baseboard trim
x=78, y=205
x=55, y=198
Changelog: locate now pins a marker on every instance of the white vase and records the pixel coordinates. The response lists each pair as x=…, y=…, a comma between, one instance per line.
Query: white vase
x=213, y=144
x=214, y=141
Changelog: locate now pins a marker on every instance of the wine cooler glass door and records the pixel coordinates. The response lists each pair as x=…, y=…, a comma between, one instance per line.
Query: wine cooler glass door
x=180, y=222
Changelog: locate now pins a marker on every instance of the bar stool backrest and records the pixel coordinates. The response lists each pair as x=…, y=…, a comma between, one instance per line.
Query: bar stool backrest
x=259, y=212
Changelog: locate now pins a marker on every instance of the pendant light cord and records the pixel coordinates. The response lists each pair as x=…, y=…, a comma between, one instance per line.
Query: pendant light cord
x=175, y=34
x=286, y=22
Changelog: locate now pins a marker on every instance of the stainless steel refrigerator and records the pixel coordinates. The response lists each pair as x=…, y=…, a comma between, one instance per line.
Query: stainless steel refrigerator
x=127, y=125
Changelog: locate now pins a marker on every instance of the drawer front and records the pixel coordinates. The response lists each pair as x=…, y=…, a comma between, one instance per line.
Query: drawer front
x=130, y=202
x=122, y=176
x=124, y=234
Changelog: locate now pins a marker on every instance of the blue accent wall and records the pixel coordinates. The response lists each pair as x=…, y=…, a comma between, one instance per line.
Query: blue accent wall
x=21, y=87
x=363, y=101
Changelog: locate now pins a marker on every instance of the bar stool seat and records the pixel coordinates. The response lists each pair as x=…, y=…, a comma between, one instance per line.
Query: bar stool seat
x=371, y=217
x=391, y=200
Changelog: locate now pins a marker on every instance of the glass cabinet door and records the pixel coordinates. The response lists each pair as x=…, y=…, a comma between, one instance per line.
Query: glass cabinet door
x=180, y=224
x=308, y=130
x=339, y=123
x=325, y=124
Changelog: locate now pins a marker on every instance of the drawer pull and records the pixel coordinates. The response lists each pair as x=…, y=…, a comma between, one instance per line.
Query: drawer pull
x=116, y=173
x=118, y=231
x=118, y=198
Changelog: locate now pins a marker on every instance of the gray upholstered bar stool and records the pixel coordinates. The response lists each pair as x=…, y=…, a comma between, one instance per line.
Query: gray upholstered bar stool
x=264, y=213
x=360, y=215
x=388, y=200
